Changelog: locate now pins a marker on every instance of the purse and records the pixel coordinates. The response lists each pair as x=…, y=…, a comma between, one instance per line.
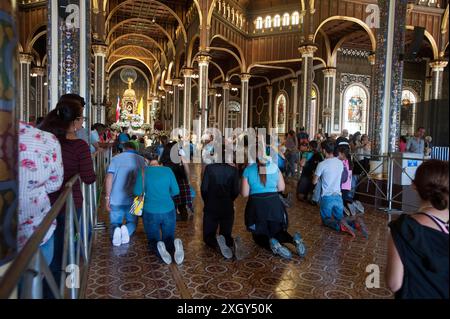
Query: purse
x=138, y=202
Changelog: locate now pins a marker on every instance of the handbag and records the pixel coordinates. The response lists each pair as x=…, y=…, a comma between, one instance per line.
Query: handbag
x=138, y=202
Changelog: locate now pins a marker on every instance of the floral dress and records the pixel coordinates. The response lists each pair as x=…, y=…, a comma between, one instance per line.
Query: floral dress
x=40, y=173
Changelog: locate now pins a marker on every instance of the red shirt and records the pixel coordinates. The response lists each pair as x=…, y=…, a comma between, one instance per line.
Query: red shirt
x=76, y=160
x=402, y=147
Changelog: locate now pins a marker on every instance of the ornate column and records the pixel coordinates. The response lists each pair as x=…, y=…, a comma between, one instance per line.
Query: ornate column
x=388, y=76
x=99, y=114
x=39, y=76
x=176, y=102
x=24, y=86
x=329, y=94
x=272, y=124
x=212, y=118
x=69, y=51
x=8, y=135
x=245, y=79
x=294, y=117
x=437, y=75
x=307, y=51
x=203, y=65
x=187, y=103
x=226, y=100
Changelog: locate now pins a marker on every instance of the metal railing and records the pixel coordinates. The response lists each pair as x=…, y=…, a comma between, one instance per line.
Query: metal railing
x=29, y=269
x=390, y=169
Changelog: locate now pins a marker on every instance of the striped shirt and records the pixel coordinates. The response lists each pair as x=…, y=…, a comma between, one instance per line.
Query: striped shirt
x=76, y=160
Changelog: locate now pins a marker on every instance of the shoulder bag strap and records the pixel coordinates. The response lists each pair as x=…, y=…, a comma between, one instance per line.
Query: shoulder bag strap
x=143, y=181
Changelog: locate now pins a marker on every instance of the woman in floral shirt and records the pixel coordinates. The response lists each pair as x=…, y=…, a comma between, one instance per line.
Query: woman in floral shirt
x=40, y=173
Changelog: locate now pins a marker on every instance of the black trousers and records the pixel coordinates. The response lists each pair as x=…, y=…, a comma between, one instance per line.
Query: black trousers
x=277, y=232
x=218, y=220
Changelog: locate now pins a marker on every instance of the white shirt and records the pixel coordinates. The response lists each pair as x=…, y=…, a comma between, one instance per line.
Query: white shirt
x=330, y=170
x=40, y=172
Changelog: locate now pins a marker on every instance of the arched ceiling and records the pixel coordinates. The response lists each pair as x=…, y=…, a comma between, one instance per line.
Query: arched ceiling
x=145, y=30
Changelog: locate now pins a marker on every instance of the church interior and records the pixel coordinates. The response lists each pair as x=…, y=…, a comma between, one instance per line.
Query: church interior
x=379, y=68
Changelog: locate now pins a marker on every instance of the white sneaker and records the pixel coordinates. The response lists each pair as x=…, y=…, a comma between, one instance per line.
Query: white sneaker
x=165, y=256
x=125, y=235
x=179, y=252
x=224, y=249
x=117, y=237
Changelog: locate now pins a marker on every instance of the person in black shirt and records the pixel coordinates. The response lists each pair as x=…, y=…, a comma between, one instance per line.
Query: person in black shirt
x=180, y=169
x=418, y=251
x=219, y=189
x=305, y=186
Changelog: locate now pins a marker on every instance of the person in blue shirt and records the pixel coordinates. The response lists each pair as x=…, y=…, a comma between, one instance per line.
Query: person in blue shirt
x=120, y=180
x=122, y=139
x=158, y=185
x=265, y=214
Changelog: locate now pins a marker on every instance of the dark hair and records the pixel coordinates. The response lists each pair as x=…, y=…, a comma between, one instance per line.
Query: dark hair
x=420, y=128
x=151, y=156
x=346, y=151
x=98, y=126
x=58, y=121
x=313, y=145
x=39, y=120
x=134, y=137
x=403, y=139
x=431, y=182
x=164, y=140
x=329, y=146
x=70, y=97
x=130, y=146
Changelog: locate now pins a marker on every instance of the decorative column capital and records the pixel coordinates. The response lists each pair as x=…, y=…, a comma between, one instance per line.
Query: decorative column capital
x=371, y=59
x=329, y=72
x=245, y=77
x=212, y=91
x=203, y=59
x=226, y=85
x=326, y=112
x=307, y=50
x=176, y=82
x=187, y=72
x=25, y=58
x=38, y=71
x=438, y=65
x=269, y=89
x=100, y=49
x=294, y=82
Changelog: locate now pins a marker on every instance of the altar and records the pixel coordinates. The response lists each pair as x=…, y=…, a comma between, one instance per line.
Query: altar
x=130, y=112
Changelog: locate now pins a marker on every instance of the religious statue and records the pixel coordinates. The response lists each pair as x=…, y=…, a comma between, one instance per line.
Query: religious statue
x=129, y=101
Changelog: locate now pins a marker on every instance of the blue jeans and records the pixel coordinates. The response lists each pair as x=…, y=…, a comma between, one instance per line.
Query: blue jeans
x=160, y=227
x=116, y=216
x=332, y=210
x=48, y=248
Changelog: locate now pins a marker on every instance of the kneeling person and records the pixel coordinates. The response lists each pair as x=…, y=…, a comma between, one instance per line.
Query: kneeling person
x=119, y=185
x=331, y=204
x=220, y=187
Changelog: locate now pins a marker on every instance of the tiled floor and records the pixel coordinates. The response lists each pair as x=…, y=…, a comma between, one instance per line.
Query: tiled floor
x=335, y=265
